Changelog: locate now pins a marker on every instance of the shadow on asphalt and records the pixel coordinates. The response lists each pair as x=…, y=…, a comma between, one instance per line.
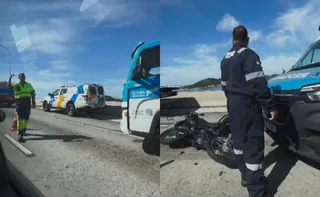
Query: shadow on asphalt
x=284, y=161
x=64, y=138
x=151, y=145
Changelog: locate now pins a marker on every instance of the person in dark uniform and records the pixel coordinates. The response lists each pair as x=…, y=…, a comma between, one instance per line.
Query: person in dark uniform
x=247, y=93
x=24, y=95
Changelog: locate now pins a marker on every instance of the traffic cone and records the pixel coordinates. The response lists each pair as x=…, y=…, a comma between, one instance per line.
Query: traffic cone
x=14, y=124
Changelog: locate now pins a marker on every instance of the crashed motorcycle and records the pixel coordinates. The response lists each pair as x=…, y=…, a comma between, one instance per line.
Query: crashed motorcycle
x=214, y=138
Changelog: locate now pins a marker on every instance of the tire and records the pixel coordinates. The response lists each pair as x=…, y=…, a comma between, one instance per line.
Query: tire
x=180, y=138
x=71, y=110
x=213, y=149
x=45, y=106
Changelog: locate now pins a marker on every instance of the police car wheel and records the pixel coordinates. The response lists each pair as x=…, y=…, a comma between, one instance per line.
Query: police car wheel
x=71, y=110
x=46, y=108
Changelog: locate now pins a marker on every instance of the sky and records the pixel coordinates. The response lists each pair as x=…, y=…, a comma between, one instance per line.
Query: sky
x=68, y=42
x=195, y=41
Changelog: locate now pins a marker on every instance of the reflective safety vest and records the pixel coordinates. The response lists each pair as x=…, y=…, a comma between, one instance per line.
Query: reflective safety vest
x=22, y=91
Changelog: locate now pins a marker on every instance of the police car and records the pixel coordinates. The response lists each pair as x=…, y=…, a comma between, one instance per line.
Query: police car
x=86, y=97
x=296, y=94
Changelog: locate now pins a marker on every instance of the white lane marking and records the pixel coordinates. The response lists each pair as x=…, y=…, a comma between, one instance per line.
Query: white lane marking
x=115, y=120
x=18, y=145
x=166, y=125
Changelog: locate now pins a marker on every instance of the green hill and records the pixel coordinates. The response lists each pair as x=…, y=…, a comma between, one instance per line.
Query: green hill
x=203, y=83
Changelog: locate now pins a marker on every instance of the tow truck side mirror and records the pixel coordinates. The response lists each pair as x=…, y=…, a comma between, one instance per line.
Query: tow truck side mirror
x=49, y=94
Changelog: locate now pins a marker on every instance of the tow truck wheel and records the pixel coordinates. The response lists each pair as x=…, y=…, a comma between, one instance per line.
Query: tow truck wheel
x=71, y=110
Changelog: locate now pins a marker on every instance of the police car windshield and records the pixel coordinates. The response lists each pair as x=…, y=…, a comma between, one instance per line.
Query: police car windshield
x=310, y=58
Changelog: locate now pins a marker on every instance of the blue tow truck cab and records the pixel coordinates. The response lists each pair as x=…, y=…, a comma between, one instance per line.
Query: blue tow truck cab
x=296, y=94
x=141, y=92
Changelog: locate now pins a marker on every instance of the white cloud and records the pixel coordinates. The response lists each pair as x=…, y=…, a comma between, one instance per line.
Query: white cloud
x=296, y=25
x=62, y=65
x=227, y=23
x=86, y=4
x=254, y=35
x=52, y=36
x=204, y=63
x=119, y=13
x=275, y=63
x=49, y=74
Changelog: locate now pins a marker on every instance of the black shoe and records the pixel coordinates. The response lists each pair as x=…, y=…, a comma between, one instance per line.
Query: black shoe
x=245, y=183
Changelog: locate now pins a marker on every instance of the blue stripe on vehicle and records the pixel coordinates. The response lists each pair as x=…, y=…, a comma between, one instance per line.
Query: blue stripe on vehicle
x=282, y=83
x=80, y=89
x=74, y=97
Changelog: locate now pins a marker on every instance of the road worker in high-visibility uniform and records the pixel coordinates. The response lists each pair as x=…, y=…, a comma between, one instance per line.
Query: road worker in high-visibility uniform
x=24, y=95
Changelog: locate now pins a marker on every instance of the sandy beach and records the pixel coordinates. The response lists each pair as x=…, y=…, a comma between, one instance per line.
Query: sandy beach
x=195, y=100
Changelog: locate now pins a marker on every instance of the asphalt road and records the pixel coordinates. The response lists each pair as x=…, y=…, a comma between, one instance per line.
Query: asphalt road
x=187, y=172
x=85, y=157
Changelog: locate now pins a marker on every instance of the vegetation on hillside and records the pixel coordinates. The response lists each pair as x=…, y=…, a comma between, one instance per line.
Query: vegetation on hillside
x=210, y=82
x=203, y=83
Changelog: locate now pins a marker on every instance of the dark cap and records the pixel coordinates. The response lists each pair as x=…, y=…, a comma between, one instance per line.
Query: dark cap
x=240, y=33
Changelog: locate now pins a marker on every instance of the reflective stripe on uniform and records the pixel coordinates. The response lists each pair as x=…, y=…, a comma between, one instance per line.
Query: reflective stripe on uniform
x=254, y=75
x=22, y=96
x=242, y=49
x=237, y=152
x=223, y=83
x=229, y=54
x=254, y=167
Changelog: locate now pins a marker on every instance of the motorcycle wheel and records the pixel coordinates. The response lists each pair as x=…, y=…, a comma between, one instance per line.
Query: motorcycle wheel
x=214, y=148
x=173, y=136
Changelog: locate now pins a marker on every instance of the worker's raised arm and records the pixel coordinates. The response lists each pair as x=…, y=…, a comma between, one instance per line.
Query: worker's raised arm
x=255, y=77
x=9, y=82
